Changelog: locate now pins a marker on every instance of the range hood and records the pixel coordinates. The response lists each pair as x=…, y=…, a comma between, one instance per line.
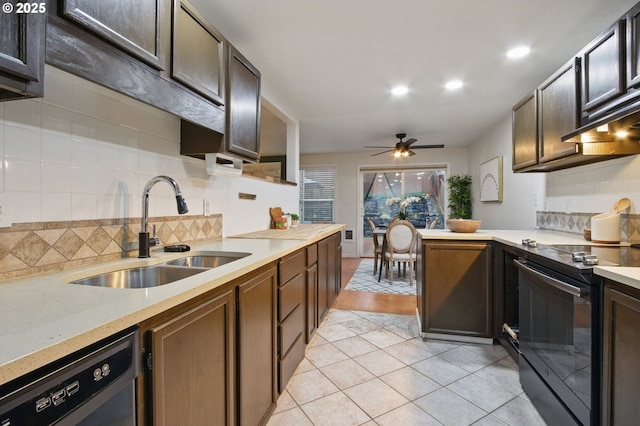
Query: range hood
x=620, y=129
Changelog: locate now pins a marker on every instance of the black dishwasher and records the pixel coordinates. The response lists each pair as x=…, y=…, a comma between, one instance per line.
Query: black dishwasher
x=94, y=386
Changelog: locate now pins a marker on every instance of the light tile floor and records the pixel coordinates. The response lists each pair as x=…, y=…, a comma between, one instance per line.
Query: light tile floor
x=364, y=368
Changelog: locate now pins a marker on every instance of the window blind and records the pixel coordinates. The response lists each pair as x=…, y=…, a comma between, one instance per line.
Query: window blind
x=317, y=194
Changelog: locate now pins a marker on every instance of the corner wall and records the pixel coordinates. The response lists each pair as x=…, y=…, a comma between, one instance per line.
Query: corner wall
x=522, y=193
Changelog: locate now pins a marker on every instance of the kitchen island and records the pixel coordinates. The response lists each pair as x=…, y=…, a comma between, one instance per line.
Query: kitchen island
x=444, y=306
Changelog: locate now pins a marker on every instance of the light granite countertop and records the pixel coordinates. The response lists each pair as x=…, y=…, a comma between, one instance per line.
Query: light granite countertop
x=624, y=275
x=43, y=318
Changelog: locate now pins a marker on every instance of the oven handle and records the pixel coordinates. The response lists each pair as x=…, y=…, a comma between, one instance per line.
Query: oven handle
x=560, y=285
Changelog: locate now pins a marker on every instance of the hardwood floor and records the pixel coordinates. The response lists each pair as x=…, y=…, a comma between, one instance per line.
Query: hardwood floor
x=368, y=301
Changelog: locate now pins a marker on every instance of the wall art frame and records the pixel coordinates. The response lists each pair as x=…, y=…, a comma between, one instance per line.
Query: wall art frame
x=491, y=180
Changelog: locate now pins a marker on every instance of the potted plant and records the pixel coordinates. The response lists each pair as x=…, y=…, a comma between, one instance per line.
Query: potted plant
x=295, y=219
x=460, y=205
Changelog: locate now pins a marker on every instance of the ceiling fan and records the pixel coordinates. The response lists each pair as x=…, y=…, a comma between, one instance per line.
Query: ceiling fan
x=403, y=148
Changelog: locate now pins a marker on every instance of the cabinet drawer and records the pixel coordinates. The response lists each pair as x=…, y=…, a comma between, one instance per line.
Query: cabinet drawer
x=290, y=328
x=290, y=295
x=312, y=255
x=292, y=265
x=288, y=364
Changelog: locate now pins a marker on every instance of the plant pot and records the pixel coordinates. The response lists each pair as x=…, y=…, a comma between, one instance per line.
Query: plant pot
x=294, y=222
x=463, y=225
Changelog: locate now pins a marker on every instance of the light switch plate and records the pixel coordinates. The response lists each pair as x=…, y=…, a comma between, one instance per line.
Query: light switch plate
x=5, y=211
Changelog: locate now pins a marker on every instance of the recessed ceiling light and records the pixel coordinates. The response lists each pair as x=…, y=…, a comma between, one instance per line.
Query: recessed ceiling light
x=400, y=90
x=518, y=52
x=453, y=85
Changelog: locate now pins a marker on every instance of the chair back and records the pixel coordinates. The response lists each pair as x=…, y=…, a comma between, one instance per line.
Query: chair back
x=375, y=238
x=433, y=224
x=401, y=236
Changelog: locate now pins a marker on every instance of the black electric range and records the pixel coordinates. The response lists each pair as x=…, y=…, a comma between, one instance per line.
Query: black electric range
x=559, y=333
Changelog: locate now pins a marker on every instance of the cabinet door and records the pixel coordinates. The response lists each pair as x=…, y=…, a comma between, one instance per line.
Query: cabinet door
x=22, y=53
x=558, y=100
x=603, y=69
x=525, y=133
x=257, y=393
x=621, y=352
x=323, y=279
x=133, y=26
x=243, y=106
x=193, y=368
x=197, y=58
x=333, y=268
x=457, y=288
x=311, y=301
x=633, y=47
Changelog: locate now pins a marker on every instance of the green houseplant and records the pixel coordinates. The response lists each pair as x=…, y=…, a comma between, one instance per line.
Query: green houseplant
x=460, y=205
x=459, y=196
x=295, y=219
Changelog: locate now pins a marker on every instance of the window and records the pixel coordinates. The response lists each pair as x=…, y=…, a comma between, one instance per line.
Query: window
x=317, y=194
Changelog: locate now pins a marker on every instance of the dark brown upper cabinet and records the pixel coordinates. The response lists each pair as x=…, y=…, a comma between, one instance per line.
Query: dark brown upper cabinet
x=133, y=26
x=197, y=59
x=126, y=46
x=558, y=100
x=603, y=71
x=525, y=133
x=243, y=106
x=22, y=53
x=633, y=47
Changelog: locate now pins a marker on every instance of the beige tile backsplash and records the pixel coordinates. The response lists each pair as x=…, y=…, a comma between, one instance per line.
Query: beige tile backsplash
x=36, y=248
x=575, y=223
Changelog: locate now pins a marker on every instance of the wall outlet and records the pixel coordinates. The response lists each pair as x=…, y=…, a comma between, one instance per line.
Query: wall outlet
x=5, y=211
x=205, y=208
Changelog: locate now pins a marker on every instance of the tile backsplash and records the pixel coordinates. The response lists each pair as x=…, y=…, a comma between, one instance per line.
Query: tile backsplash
x=35, y=248
x=575, y=223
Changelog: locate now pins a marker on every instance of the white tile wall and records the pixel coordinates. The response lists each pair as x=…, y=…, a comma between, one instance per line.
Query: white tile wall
x=596, y=187
x=86, y=152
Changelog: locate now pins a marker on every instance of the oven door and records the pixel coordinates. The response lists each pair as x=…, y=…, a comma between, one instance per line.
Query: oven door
x=556, y=335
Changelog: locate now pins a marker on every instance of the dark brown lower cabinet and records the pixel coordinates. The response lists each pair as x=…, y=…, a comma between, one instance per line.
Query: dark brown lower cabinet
x=329, y=273
x=457, y=288
x=193, y=366
x=621, y=352
x=257, y=351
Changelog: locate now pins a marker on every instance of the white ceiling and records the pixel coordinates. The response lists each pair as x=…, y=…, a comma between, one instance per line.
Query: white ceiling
x=331, y=63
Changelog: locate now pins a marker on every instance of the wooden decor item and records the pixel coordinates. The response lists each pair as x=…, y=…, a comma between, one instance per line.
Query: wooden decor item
x=275, y=213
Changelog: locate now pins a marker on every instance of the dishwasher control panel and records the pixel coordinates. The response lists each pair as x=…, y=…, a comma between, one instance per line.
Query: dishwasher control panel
x=61, y=390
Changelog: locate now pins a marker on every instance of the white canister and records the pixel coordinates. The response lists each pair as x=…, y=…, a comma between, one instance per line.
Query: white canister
x=605, y=228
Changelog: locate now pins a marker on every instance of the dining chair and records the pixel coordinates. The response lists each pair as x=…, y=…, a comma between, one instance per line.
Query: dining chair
x=433, y=224
x=401, y=241
x=377, y=248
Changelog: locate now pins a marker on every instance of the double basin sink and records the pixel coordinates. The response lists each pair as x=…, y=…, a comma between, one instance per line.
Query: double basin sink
x=163, y=273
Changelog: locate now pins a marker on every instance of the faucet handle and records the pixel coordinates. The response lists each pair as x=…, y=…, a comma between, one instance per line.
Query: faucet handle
x=154, y=241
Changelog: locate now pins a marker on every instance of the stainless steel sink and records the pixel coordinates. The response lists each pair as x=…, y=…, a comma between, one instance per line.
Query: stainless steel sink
x=143, y=277
x=209, y=260
x=161, y=274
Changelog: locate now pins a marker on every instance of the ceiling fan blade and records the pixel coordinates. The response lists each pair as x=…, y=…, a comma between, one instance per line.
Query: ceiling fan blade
x=410, y=141
x=411, y=153
x=383, y=152
x=426, y=146
x=379, y=147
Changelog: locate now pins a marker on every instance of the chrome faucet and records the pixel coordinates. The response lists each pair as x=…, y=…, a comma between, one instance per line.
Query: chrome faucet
x=144, y=241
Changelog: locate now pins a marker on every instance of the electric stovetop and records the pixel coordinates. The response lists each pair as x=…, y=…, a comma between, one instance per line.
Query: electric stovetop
x=606, y=255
